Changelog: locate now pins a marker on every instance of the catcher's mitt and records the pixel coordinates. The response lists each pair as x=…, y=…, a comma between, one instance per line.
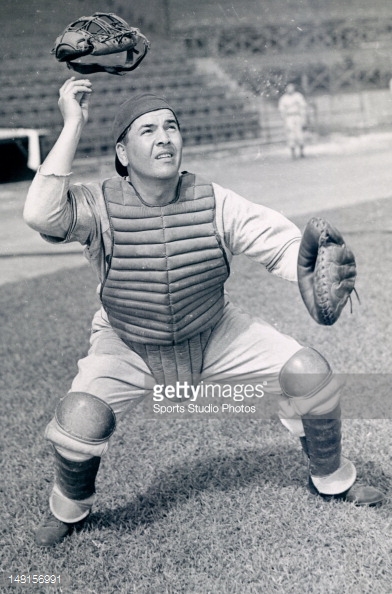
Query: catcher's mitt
x=98, y=35
x=326, y=271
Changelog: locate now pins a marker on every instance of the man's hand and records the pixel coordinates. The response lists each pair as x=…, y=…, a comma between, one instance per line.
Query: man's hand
x=74, y=100
x=73, y=104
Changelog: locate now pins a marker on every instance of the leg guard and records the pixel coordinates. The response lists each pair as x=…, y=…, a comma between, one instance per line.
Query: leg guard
x=74, y=488
x=323, y=442
x=330, y=472
x=308, y=385
x=82, y=424
x=76, y=479
x=80, y=432
x=313, y=393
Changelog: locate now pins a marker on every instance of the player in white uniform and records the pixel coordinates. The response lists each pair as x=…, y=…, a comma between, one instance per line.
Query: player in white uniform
x=293, y=109
x=161, y=243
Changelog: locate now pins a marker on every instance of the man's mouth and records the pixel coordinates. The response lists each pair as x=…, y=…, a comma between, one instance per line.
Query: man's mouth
x=164, y=156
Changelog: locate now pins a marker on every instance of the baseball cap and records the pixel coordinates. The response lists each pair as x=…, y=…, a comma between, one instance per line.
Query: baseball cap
x=129, y=111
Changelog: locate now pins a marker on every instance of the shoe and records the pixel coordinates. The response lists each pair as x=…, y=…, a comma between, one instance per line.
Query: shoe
x=357, y=494
x=52, y=531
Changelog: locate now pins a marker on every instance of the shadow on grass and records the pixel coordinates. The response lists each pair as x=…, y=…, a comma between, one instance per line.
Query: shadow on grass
x=274, y=472
x=225, y=472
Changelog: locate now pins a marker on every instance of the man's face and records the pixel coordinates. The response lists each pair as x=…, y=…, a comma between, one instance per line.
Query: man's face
x=152, y=147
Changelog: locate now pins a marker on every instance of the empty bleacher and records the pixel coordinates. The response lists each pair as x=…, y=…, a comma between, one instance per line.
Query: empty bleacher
x=209, y=111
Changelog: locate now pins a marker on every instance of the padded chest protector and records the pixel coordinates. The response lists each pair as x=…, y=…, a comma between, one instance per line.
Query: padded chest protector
x=165, y=278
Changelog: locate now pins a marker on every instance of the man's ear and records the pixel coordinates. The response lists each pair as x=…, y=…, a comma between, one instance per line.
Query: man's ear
x=122, y=154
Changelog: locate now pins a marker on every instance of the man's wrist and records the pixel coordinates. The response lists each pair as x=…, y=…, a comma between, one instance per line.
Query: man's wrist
x=73, y=126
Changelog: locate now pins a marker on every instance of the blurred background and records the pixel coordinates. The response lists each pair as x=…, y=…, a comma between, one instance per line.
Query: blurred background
x=223, y=65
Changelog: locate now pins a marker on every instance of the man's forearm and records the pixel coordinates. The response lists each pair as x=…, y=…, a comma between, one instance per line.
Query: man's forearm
x=60, y=159
x=47, y=209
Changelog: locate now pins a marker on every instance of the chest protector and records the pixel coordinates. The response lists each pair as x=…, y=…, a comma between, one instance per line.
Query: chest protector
x=165, y=276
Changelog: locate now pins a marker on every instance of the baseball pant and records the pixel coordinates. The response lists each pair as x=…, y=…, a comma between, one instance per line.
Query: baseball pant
x=241, y=349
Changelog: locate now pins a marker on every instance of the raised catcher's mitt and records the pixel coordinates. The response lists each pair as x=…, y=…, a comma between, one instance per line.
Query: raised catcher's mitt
x=98, y=35
x=326, y=271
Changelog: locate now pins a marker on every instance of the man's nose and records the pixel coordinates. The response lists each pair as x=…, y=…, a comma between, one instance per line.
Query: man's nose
x=162, y=136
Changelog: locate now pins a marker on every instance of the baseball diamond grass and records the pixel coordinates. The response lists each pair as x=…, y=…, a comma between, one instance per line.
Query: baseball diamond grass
x=199, y=506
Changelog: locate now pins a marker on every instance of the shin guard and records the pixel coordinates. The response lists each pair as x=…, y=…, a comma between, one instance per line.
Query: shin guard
x=74, y=488
x=330, y=472
x=323, y=442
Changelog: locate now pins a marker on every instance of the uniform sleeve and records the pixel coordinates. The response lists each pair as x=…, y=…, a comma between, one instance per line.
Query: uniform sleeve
x=62, y=212
x=258, y=232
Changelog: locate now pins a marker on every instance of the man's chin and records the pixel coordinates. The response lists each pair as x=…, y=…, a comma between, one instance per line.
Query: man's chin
x=168, y=171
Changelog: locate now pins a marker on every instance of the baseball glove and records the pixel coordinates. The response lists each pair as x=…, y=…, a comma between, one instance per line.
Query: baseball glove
x=326, y=271
x=98, y=35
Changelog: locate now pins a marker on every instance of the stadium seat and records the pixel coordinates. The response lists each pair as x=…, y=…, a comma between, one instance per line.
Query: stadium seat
x=208, y=112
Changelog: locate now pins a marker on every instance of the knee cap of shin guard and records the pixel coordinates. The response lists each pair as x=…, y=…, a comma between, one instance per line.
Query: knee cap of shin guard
x=304, y=374
x=85, y=417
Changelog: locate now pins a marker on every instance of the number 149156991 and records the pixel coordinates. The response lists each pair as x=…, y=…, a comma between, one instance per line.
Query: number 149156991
x=34, y=578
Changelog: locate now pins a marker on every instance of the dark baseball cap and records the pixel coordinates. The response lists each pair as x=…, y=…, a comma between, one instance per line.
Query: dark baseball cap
x=129, y=111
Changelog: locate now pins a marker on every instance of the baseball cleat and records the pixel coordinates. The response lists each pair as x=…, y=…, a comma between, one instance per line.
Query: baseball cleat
x=52, y=531
x=360, y=495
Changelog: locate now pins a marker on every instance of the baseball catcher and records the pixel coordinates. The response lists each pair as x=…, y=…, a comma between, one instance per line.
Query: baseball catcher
x=161, y=242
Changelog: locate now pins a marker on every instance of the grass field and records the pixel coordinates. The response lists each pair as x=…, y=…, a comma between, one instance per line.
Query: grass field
x=202, y=506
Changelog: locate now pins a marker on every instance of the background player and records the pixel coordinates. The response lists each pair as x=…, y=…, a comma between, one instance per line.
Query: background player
x=293, y=109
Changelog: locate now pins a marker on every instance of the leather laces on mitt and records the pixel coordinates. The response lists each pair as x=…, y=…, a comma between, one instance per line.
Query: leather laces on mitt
x=98, y=35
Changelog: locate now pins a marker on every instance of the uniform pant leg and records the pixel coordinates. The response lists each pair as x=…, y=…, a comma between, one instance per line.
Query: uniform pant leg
x=248, y=350
x=111, y=378
x=111, y=371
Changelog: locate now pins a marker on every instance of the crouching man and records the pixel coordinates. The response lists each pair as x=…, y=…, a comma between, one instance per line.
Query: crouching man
x=161, y=243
